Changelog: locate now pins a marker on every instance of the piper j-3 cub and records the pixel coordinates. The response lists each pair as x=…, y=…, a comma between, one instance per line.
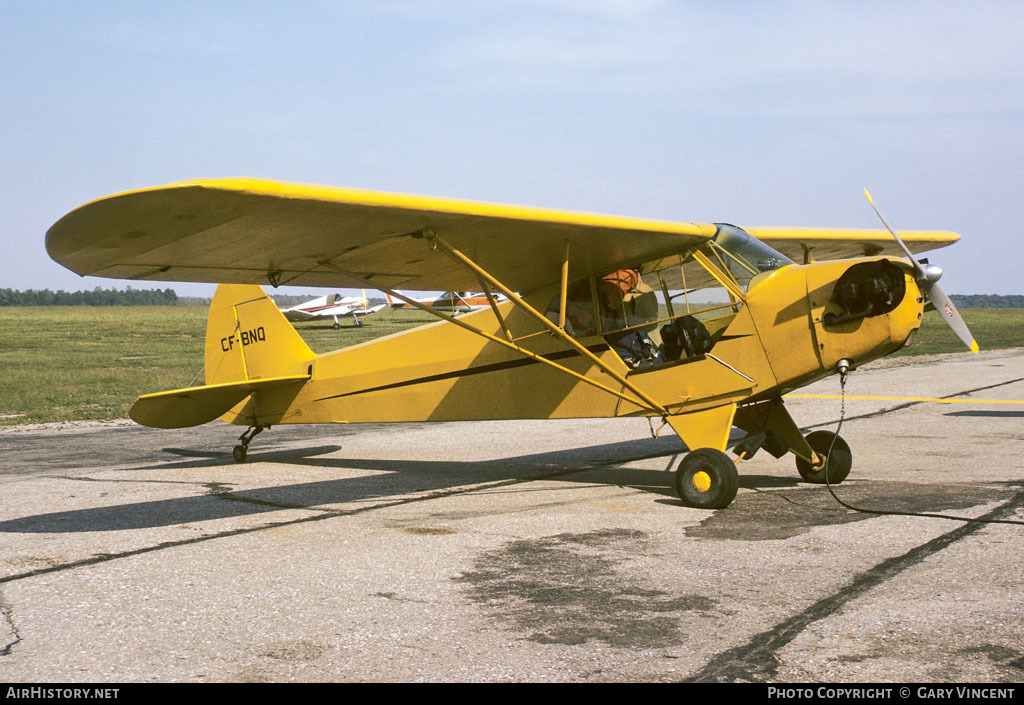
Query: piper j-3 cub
x=704, y=326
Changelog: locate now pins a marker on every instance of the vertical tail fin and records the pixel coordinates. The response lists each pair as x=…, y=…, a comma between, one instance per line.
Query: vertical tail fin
x=248, y=338
x=396, y=303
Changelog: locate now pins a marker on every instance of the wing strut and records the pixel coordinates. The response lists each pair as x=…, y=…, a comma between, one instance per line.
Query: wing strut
x=563, y=292
x=494, y=309
x=542, y=319
x=512, y=346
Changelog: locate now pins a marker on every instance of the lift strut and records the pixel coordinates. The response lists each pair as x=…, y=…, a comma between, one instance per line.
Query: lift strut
x=638, y=397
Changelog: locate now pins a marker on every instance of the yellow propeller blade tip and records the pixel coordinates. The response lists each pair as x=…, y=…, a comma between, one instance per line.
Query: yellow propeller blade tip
x=974, y=347
x=869, y=197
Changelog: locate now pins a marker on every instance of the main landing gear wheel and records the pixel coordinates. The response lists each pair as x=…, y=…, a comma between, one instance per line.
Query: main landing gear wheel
x=707, y=479
x=239, y=453
x=839, y=461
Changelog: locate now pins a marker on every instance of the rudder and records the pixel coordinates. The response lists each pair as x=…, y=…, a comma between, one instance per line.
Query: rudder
x=248, y=338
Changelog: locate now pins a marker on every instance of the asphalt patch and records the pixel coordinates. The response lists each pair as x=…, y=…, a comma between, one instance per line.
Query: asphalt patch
x=575, y=588
x=999, y=654
x=768, y=515
x=758, y=661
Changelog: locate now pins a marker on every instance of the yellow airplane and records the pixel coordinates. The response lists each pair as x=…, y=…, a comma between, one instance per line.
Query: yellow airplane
x=704, y=326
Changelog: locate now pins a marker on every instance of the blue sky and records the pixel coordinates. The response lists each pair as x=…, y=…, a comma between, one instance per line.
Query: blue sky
x=755, y=113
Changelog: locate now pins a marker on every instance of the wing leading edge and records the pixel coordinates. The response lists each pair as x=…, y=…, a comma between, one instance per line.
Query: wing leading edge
x=255, y=231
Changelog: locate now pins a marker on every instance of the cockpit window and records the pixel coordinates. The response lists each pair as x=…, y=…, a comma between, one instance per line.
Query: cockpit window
x=672, y=308
x=743, y=256
x=611, y=302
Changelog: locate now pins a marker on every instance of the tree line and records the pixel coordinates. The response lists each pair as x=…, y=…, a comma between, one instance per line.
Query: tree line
x=988, y=300
x=96, y=297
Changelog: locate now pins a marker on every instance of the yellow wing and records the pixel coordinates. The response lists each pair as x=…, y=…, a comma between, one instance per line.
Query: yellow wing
x=813, y=244
x=251, y=231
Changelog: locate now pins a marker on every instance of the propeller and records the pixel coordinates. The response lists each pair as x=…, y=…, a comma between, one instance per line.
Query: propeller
x=927, y=280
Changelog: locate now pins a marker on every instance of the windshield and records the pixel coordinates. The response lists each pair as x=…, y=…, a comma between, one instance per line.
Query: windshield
x=742, y=255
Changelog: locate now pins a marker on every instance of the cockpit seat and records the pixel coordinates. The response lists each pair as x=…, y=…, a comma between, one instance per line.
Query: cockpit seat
x=684, y=337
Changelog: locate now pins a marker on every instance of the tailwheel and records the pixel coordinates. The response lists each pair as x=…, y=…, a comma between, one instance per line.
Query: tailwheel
x=242, y=449
x=840, y=459
x=707, y=479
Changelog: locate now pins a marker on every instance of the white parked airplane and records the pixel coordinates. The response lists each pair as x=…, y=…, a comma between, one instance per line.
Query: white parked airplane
x=333, y=306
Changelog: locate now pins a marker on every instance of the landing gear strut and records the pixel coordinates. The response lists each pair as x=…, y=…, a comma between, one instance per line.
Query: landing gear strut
x=242, y=449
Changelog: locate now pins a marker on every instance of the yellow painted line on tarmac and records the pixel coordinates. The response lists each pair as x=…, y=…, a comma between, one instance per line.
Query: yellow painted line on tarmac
x=931, y=399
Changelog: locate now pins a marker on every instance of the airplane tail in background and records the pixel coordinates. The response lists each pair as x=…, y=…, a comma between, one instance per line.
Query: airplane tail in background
x=395, y=303
x=248, y=338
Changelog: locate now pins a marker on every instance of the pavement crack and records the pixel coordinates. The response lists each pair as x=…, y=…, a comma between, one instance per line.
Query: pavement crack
x=7, y=611
x=395, y=597
x=757, y=660
x=123, y=481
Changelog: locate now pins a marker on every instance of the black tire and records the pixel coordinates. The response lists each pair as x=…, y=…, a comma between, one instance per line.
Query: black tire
x=239, y=453
x=840, y=461
x=707, y=479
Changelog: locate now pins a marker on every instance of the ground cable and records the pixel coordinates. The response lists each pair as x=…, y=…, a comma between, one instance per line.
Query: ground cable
x=885, y=512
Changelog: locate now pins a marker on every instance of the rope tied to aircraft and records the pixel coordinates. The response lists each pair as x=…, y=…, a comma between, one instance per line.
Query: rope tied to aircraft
x=843, y=374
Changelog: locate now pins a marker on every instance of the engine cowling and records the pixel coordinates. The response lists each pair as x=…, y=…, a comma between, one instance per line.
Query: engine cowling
x=867, y=289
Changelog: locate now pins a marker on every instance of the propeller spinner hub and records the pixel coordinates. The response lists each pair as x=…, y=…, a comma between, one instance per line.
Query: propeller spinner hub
x=932, y=273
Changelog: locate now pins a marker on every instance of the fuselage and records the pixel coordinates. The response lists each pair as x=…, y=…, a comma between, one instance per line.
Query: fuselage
x=777, y=340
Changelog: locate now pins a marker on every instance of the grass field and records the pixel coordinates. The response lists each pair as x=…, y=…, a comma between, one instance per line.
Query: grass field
x=993, y=328
x=90, y=363
x=70, y=363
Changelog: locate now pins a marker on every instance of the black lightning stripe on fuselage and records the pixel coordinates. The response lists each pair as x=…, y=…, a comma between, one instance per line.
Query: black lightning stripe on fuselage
x=481, y=369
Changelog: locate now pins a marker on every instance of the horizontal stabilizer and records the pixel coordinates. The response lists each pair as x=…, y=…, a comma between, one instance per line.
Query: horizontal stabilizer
x=181, y=408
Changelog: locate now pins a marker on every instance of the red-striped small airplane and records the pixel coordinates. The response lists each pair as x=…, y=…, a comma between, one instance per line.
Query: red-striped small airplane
x=451, y=301
x=333, y=306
